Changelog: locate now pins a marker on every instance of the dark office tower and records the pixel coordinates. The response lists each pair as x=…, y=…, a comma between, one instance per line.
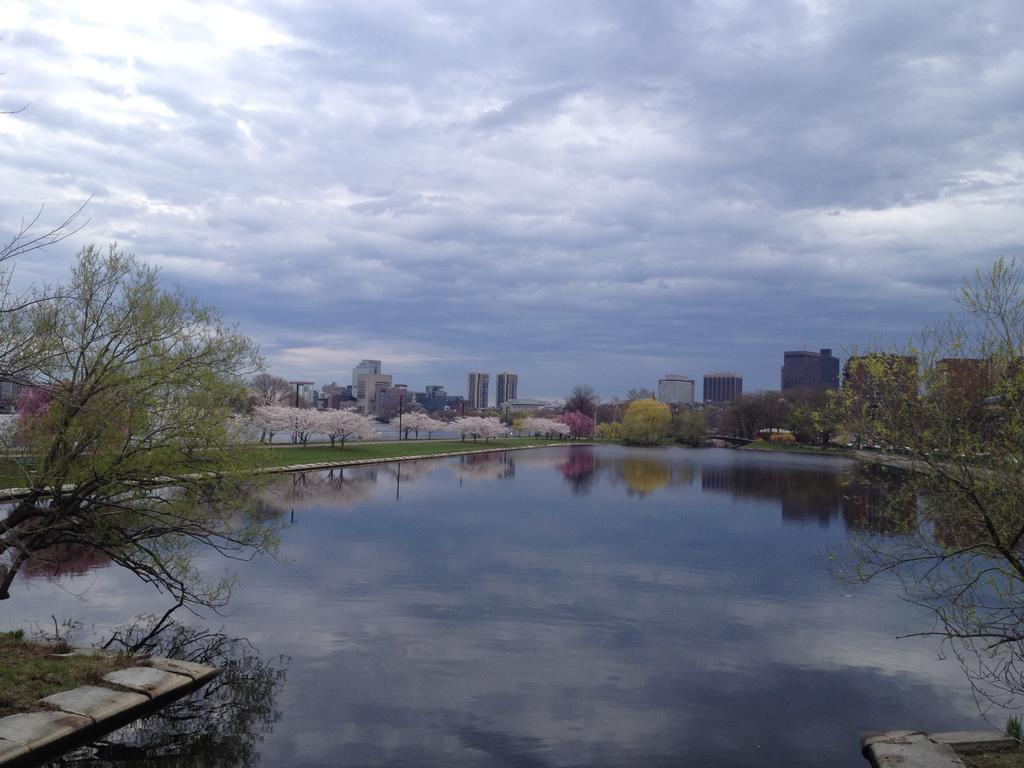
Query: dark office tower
x=507, y=388
x=810, y=370
x=722, y=387
x=477, y=394
x=829, y=370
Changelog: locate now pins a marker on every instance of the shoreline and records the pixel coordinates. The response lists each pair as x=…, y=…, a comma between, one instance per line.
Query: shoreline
x=13, y=494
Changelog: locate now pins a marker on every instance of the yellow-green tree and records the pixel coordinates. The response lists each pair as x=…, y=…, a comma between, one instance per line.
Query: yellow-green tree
x=131, y=432
x=646, y=422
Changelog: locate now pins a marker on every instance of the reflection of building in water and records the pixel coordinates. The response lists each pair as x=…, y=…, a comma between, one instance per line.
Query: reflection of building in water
x=806, y=495
x=873, y=502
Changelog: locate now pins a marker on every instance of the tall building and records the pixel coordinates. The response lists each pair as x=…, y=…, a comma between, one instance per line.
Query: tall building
x=810, y=370
x=722, y=387
x=368, y=386
x=507, y=388
x=367, y=367
x=676, y=389
x=477, y=392
x=390, y=400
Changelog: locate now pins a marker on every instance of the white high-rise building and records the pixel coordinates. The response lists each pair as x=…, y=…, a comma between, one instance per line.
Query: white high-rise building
x=369, y=367
x=676, y=389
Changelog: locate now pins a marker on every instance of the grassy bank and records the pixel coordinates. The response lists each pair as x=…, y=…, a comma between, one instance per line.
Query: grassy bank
x=764, y=445
x=29, y=672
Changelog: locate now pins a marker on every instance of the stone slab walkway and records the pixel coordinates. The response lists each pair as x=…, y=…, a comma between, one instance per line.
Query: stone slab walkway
x=82, y=713
x=916, y=749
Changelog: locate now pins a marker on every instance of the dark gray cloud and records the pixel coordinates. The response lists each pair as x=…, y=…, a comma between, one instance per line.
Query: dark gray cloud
x=599, y=192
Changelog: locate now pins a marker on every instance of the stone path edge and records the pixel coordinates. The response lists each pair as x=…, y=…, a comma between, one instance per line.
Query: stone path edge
x=83, y=713
x=11, y=494
x=917, y=749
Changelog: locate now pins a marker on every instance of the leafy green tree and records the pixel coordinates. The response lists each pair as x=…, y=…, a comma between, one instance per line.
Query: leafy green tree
x=689, y=427
x=135, y=454
x=646, y=422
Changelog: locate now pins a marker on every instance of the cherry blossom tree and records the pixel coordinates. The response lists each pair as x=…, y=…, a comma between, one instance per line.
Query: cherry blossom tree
x=580, y=425
x=270, y=419
x=487, y=427
x=301, y=422
x=536, y=425
x=417, y=422
x=345, y=425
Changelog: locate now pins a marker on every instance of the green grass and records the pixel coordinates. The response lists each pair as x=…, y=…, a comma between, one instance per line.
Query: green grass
x=28, y=672
x=282, y=456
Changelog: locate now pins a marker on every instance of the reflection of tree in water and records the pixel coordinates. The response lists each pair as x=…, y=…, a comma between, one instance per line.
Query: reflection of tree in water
x=856, y=493
x=338, y=487
x=219, y=725
x=550, y=457
x=485, y=466
x=579, y=469
x=876, y=500
x=413, y=470
x=644, y=476
x=65, y=560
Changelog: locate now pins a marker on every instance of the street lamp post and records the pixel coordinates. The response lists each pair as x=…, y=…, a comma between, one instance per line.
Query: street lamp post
x=401, y=399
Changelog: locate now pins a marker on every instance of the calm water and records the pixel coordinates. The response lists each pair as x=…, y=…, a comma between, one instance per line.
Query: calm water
x=559, y=607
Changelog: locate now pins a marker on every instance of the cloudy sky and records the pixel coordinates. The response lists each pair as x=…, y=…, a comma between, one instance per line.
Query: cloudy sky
x=596, y=192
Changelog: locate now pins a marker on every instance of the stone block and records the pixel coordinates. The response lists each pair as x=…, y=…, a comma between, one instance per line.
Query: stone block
x=37, y=729
x=95, y=702
x=908, y=749
x=152, y=682
x=200, y=673
x=10, y=750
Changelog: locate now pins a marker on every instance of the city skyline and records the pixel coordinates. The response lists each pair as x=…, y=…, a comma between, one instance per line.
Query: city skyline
x=645, y=198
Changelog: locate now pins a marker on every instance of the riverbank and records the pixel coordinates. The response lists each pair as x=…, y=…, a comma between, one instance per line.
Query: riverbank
x=56, y=702
x=31, y=671
x=293, y=458
x=284, y=455
x=764, y=445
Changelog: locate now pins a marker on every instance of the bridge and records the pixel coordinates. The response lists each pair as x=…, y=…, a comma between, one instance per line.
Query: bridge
x=731, y=439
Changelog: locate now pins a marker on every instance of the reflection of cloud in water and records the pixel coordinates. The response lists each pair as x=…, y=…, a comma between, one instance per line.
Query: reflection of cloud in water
x=526, y=625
